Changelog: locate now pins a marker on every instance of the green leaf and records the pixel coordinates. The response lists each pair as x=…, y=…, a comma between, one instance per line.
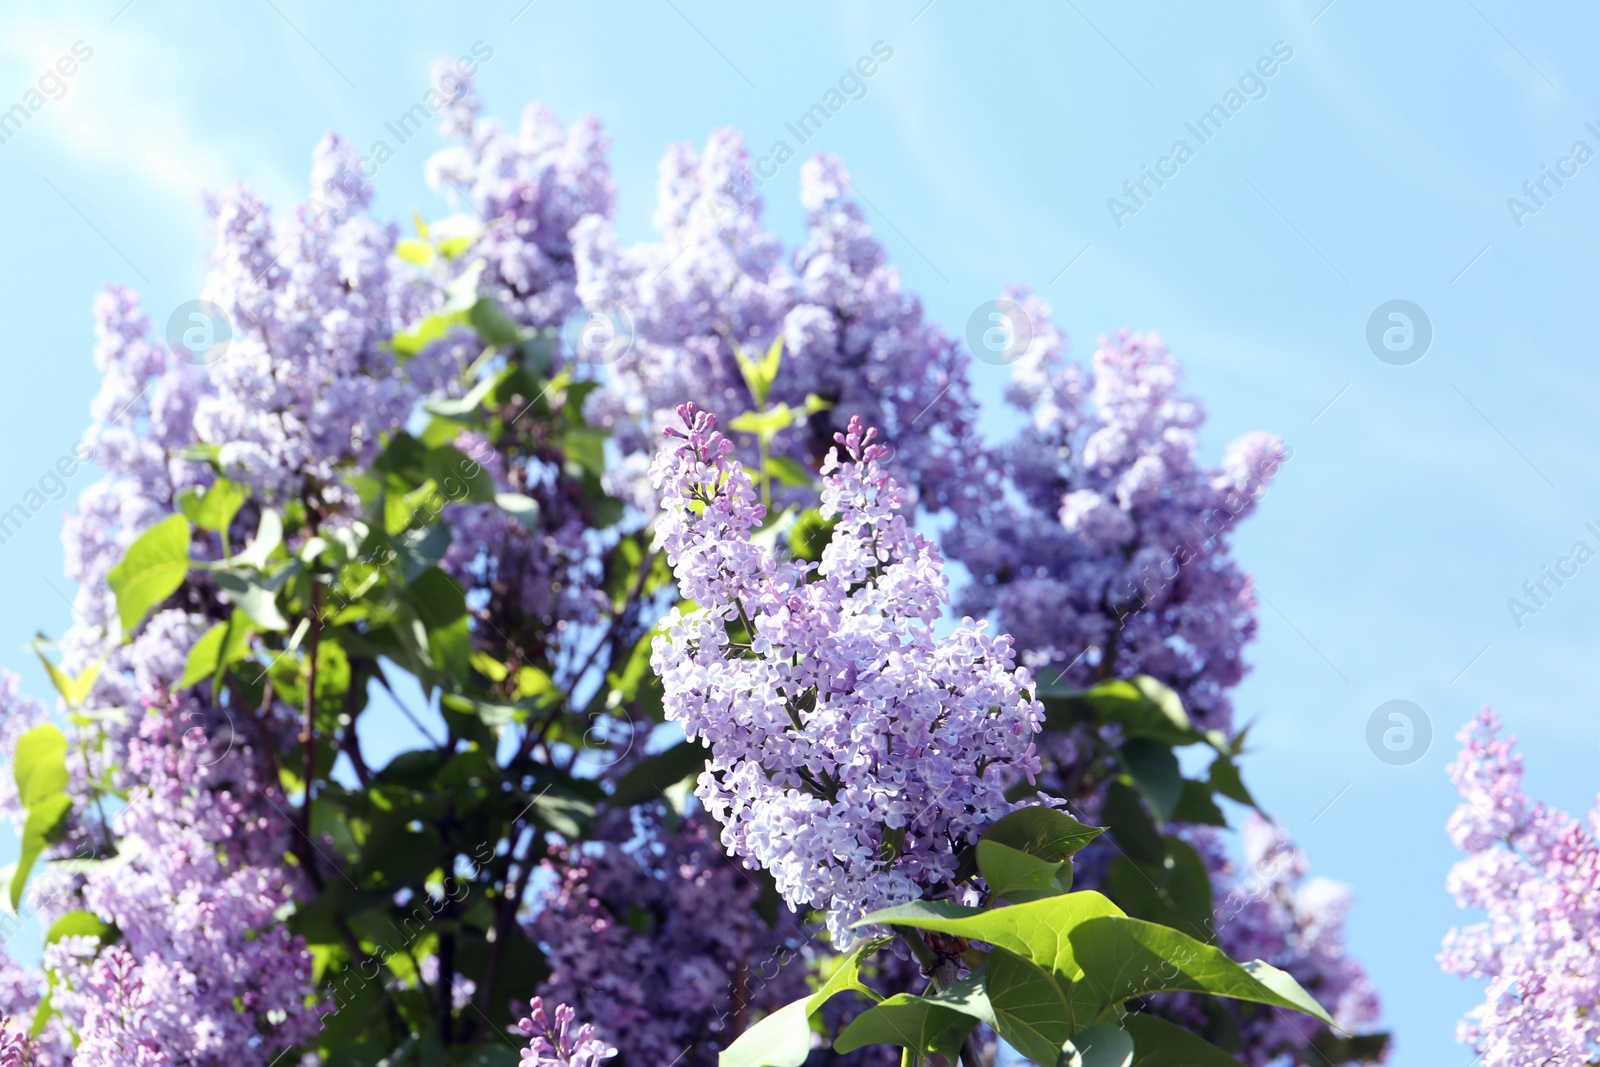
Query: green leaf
x=419, y=550
x=204, y=655
x=269, y=535
x=1350, y=1048
x=454, y=247
x=760, y=374
x=920, y=913
x=74, y=690
x=46, y=821
x=909, y=1022
x=213, y=507
x=788, y=472
x=40, y=764
x=1142, y=706
x=1046, y=833
x=42, y=1015
x=79, y=924
x=465, y=405
x=1225, y=780
x=524, y=509
x=494, y=326
x=1176, y=894
x=765, y=424
x=458, y=476
x=410, y=342
x=646, y=779
x=1024, y=1003
x=1019, y=877
x=1124, y=958
x=810, y=534
x=1033, y=931
x=1196, y=806
x=152, y=570
x=586, y=448
x=783, y=1038
x=1029, y=1006
x=1154, y=768
x=1098, y=1046
x=257, y=595
x=1158, y=1043
x=414, y=251
x=223, y=645
x=1132, y=827
x=438, y=599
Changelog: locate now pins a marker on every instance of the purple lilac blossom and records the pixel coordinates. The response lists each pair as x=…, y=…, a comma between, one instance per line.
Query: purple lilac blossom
x=536, y=581
x=117, y=1029
x=844, y=717
x=16, y=1047
x=1535, y=873
x=559, y=1043
x=306, y=384
x=216, y=979
x=648, y=926
x=718, y=281
x=1109, y=554
x=527, y=191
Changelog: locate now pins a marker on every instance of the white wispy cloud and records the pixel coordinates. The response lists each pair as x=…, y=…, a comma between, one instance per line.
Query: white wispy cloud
x=131, y=109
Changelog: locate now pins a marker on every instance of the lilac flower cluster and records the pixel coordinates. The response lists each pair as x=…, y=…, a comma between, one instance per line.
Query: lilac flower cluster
x=1535, y=873
x=21, y=989
x=306, y=384
x=853, y=754
x=308, y=381
x=527, y=190
x=16, y=1047
x=117, y=1029
x=1109, y=557
x=558, y=1043
x=545, y=577
x=717, y=283
x=650, y=927
x=204, y=974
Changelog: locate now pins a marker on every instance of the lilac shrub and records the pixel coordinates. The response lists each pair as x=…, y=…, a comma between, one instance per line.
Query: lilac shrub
x=237, y=870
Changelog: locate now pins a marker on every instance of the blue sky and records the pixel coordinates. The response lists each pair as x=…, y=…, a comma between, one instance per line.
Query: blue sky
x=1374, y=164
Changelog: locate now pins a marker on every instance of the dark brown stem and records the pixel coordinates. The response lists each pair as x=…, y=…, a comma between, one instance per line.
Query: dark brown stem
x=741, y=995
x=351, y=741
x=308, y=732
x=505, y=915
